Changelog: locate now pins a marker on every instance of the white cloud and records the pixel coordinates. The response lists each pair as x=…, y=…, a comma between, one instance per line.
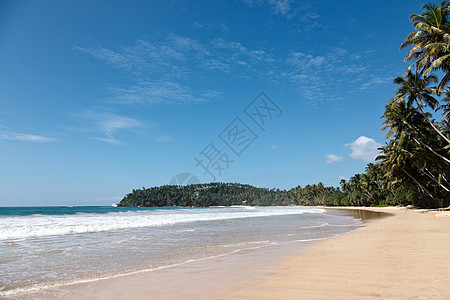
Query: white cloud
x=164, y=138
x=24, y=137
x=307, y=62
x=332, y=158
x=321, y=78
x=110, y=127
x=373, y=81
x=281, y=7
x=364, y=149
x=109, y=124
x=174, y=56
x=221, y=28
x=214, y=64
x=175, y=68
x=185, y=44
x=113, y=58
x=167, y=58
x=180, y=69
x=301, y=14
x=158, y=92
x=273, y=147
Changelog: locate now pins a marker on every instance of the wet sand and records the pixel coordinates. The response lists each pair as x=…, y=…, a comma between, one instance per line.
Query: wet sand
x=404, y=256
x=400, y=257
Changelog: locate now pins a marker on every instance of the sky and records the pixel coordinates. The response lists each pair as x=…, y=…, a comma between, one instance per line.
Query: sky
x=98, y=98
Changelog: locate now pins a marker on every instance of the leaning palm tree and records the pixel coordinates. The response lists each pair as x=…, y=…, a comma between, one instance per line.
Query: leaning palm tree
x=410, y=150
x=411, y=133
x=414, y=89
x=405, y=123
x=401, y=121
x=400, y=164
x=431, y=27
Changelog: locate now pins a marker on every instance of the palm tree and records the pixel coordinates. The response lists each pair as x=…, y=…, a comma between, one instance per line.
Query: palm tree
x=446, y=108
x=399, y=165
x=414, y=89
x=431, y=27
x=442, y=61
x=400, y=120
x=344, y=185
x=405, y=123
x=407, y=159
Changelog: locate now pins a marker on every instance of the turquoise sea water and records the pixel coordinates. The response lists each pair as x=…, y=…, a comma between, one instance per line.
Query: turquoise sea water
x=55, y=246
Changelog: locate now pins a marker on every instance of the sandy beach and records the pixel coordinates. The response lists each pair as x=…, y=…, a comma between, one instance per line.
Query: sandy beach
x=404, y=256
x=400, y=257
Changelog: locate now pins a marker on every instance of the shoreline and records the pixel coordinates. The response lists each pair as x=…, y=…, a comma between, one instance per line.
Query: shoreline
x=310, y=270
x=177, y=251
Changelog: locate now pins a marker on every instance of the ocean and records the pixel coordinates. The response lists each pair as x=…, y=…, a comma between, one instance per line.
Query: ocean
x=45, y=247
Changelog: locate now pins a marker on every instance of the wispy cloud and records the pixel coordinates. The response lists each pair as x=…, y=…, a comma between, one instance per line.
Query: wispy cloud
x=301, y=13
x=220, y=27
x=174, y=69
x=322, y=78
x=113, y=58
x=140, y=58
x=374, y=81
x=180, y=69
x=164, y=138
x=144, y=92
x=110, y=127
x=108, y=124
x=281, y=7
x=174, y=56
x=238, y=57
x=332, y=158
x=364, y=149
x=24, y=137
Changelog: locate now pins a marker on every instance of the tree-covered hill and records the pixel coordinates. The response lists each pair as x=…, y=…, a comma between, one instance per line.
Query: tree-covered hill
x=226, y=194
x=203, y=195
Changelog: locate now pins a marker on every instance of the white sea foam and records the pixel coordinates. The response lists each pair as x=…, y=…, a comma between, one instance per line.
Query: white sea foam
x=60, y=283
x=39, y=252
x=45, y=225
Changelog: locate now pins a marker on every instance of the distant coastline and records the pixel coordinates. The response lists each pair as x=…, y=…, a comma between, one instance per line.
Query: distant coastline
x=227, y=194
x=351, y=193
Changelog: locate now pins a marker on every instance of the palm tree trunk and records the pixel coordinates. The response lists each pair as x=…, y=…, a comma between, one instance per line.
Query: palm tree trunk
x=418, y=141
x=432, y=177
x=419, y=184
x=428, y=120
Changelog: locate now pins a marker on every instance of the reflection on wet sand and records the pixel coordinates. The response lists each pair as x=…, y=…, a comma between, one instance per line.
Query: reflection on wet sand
x=362, y=214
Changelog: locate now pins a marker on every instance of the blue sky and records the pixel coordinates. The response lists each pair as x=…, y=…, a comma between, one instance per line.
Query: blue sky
x=100, y=97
